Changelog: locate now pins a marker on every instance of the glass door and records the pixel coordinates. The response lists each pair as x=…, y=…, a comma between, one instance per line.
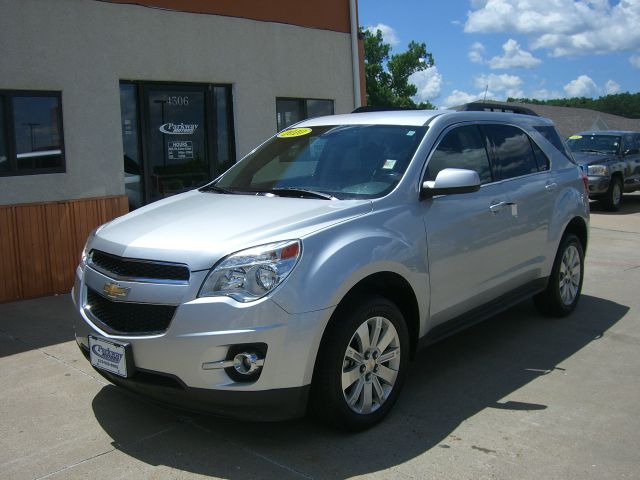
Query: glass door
x=177, y=149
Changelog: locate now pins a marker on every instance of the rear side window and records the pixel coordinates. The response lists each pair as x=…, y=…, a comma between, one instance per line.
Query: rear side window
x=514, y=154
x=551, y=134
x=541, y=158
x=462, y=147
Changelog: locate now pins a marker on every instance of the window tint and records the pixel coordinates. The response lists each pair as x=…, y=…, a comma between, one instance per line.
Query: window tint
x=4, y=156
x=541, y=158
x=514, y=155
x=293, y=110
x=631, y=144
x=31, y=139
x=551, y=134
x=463, y=147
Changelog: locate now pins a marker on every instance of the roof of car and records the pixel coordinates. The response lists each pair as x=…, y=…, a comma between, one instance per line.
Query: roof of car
x=417, y=118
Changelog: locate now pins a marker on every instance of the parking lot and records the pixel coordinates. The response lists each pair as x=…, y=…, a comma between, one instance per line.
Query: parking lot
x=519, y=396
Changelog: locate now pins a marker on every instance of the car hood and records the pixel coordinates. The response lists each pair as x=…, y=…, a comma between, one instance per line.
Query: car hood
x=584, y=158
x=199, y=228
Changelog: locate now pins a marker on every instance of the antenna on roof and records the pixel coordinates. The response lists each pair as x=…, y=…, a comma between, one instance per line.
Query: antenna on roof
x=485, y=93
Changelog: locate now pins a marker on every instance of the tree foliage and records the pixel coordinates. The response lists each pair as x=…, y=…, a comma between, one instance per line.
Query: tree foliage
x=388, y=75
x=623, y=104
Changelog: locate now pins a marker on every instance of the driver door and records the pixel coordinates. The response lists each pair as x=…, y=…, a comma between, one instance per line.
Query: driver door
x=466, y=233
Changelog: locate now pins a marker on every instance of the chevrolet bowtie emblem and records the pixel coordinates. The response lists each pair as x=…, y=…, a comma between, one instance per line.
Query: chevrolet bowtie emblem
x=113, y=290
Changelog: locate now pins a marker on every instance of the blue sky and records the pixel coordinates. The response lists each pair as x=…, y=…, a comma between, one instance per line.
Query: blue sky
x=532, y=48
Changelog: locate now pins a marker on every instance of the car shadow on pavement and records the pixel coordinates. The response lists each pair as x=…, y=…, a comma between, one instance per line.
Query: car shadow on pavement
x=630, y=205
x=447, y=384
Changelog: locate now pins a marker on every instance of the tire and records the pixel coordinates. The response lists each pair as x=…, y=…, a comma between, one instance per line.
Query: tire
x=561, y=296
x=354, y=387
x=612, y=200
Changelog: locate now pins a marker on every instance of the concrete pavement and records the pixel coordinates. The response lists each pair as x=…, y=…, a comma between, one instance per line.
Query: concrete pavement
x=519, y=396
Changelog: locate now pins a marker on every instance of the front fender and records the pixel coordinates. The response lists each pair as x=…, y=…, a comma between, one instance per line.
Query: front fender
x=334, y=260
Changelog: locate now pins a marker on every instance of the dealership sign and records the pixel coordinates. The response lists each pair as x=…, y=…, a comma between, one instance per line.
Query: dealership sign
x=179, y=128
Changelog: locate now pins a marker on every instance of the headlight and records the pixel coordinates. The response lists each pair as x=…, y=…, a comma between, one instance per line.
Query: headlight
x=250, y=274
x=85, y=250
x=598, y=170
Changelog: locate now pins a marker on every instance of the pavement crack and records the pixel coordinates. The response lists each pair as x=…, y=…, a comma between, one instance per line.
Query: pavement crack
x=75, y=464
x=612, y=230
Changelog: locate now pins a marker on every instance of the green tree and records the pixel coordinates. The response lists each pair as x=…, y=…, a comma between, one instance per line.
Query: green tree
x=387, y=76
x=623, y=104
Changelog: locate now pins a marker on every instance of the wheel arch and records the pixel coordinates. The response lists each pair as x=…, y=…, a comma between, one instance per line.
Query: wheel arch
x=390, y=285
x=578, y=227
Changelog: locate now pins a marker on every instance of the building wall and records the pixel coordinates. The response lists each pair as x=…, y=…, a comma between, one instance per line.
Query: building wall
x=84, y=47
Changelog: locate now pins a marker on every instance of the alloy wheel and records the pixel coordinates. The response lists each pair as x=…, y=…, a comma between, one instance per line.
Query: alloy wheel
x=370, y=365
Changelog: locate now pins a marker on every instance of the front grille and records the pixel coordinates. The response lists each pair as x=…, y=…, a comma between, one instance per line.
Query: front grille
x=132, y=268
x=129, y=318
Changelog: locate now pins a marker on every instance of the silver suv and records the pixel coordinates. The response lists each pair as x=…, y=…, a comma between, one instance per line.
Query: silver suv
x=307, y=275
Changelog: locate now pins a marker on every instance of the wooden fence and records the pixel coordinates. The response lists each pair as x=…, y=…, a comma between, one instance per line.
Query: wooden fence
x=40, y=243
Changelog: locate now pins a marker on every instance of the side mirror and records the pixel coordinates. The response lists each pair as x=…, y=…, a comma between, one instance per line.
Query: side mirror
x=451, y=181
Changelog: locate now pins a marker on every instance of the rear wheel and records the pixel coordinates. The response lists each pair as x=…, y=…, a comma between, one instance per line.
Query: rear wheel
x=612, y=200
x=362, y=364
x=565, y=283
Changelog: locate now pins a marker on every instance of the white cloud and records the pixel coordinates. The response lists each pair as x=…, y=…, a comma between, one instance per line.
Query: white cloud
x=475, y=53
x=514, y=57
x=564, y=27
x=583, y=86
x=544, y=94
x=459, y=97
x=429, y=83
x=611, y=87
x=388, y=33
x=510, y=85
x=635, y=60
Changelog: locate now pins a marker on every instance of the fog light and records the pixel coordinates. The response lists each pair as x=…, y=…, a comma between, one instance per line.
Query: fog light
x=247, y=363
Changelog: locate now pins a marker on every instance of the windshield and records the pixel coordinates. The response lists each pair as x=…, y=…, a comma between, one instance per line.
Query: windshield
x=594, y=143
x=343, y=162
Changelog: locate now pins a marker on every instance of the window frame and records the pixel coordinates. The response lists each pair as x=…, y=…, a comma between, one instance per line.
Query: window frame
x=6, y=97
x=305, y=111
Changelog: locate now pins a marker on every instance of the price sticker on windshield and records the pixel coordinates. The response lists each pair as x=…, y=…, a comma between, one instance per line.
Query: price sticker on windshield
x=294, y=132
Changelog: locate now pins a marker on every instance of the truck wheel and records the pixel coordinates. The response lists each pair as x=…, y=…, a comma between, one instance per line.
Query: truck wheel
x=565, y=283
x=613, y=198
x=361, y=365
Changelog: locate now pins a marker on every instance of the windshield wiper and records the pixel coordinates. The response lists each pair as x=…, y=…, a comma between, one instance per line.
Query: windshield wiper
x=591, y=150
x=300, y=192
x=215, y=188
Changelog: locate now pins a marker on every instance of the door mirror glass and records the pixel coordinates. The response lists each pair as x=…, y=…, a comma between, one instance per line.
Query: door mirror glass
x=451, y=181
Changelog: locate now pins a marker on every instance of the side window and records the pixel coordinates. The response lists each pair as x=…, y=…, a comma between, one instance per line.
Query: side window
x=632, y=144
x=551, y=134
x=514, y=155
x=541, y=158
x=463, y=147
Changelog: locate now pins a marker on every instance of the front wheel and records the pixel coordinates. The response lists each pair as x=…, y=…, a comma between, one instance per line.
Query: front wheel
x=361, y=365
x=612, y=200
x=565, y=283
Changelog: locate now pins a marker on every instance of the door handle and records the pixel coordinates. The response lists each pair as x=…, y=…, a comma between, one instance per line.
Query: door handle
x=496, y=207
x=550, y=187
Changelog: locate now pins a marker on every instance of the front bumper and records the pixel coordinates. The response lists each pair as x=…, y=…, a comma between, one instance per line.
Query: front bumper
x=264, y=405
x=169, y=366
x=598, y=185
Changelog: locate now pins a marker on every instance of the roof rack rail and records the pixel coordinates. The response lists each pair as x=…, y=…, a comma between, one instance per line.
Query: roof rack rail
x=370, y=108
x=496, y=107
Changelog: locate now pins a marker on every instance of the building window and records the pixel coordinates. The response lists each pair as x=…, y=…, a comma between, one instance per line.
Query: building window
x=31, y=139
x=175, y=136
x=293, y=110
